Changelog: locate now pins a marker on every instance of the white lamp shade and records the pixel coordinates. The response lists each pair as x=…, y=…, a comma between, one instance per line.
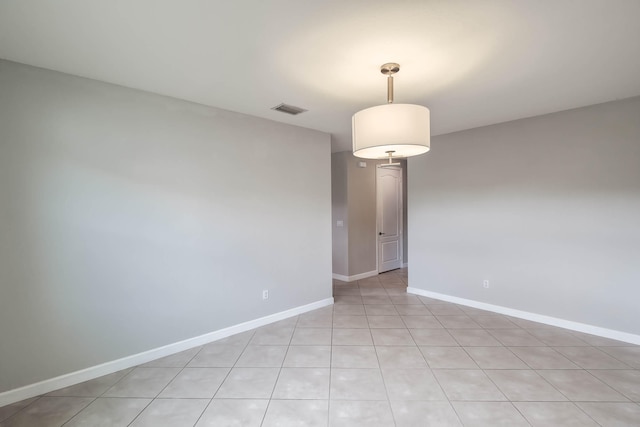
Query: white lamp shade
x=402, y=128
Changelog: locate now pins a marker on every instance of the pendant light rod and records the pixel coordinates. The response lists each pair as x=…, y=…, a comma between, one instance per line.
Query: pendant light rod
x=389, y=69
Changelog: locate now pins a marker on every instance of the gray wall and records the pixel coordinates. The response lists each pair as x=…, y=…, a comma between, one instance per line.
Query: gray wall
x=339, y=212
x=354, y=199
x=129, y=221
x=546, y=208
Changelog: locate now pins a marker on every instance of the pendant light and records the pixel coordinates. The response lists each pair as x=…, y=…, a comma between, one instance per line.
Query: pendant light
x=391, y=130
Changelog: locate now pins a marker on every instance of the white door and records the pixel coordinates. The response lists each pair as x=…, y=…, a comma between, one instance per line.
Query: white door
x=389, y=215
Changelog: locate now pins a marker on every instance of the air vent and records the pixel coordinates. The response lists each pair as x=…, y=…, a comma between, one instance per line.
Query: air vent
x=289, y=109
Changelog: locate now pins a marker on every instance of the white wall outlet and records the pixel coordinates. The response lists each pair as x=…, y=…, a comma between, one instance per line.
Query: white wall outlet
x=265, y=294
x=339, y=223
x=485, y=283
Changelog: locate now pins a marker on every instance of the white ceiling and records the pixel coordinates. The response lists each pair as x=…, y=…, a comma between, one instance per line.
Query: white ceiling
x=473, y=63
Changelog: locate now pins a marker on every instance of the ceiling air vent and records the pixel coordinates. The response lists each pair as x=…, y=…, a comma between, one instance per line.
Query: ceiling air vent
x=289, y=109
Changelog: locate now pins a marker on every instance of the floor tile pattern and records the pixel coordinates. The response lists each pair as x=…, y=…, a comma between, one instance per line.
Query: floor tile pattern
x=377, y=357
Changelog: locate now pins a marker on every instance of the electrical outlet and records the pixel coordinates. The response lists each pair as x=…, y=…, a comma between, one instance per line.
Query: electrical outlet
x=265, y=294
x=485, y=283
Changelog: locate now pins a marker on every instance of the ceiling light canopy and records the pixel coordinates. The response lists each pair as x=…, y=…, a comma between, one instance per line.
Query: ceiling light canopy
x=391, y=130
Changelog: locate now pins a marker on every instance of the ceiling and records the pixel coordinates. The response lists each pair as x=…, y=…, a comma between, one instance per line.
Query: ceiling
x=473, y=63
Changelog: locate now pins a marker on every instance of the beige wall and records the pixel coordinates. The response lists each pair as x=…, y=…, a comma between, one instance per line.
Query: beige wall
x=546, y=208
x=130, y=221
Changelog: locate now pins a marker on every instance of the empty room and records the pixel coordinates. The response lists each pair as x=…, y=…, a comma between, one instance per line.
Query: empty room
x=319, y=213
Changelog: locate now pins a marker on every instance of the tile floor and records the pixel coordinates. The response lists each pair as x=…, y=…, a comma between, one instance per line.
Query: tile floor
x=378, y=357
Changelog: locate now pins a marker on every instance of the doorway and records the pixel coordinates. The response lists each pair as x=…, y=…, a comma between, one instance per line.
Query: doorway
x=389, y=218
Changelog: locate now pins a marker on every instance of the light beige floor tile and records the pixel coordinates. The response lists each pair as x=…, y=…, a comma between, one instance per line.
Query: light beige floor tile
x=445, y=309
x=613, y=414
x=543, y=358
x=591, y=358
x=352, y=337
x=194, y=383
x=109, y=412
x=349, y=309
x=628, y=355
x=421, y=322
x=492, y=321
x=311, y=336
x=433, y=337
x=360, y=414
x=357, y=384
x=248, y=383
x=297, y=413
x=624, y=381
x=474, y=338
x=489, y=414
x=578, y=385
x=376, y=300
x=272, y=336
x=143, y=382
x=495, y=358
x=392, y=337
x=545, y=414
x=352, y=356
x=421, y=413
x=412, y=384
x=412, y=310
x=9, y=410
x=308, y=356
x=262, y=356
x=171, y=413
x=515, y=338
x=339, y=290
x=381, y=310
x=368, y=292
x=394, y=289
x=343, y=321
x=466, y=384
x=524, y=385
x=457, y=322
x=447, y=358
x=347, y=299
x=400, y=357
x=302, y=383
x=234, y=413
x=377, y=322
x=406, y=300
x=216, y=355
x=48, y=411
x=557, y=337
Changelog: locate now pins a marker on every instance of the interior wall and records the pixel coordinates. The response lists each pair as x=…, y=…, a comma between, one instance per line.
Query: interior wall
x=356, y=186
x=545, y=208
x=129, y=221
x=362, y=216
x=339, y=213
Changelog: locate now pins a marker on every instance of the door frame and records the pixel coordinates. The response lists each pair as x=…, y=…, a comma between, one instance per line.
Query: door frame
x=400, y=168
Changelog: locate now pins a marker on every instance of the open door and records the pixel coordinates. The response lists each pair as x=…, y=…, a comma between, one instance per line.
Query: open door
x=389, y=217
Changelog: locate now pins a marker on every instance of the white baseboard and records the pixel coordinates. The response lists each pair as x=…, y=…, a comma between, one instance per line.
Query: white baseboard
x=356, y=276
x=46, y=386
x=547, y=320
